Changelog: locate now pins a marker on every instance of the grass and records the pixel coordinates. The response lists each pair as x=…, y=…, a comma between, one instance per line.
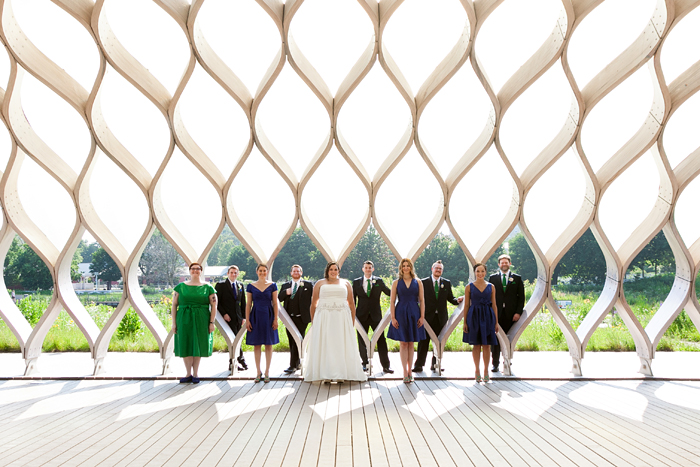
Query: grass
x=644, y=296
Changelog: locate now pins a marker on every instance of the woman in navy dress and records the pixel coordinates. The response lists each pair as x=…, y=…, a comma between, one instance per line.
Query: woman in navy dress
x=481, y=321
x=261, y=319
x=407, y=314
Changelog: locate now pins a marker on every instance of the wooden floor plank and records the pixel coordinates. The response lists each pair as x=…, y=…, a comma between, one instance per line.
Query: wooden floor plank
x=653, y=445
x=246, y=437
x=269, y=427
x=360, y=442
x=382, y=447
x=63, y=419
x=562, y=429
x=379, y=423
x=619, y=438
x=312, y=441
x=329, y=435
x=477, y=446
x=445, y=450
x=299, y=432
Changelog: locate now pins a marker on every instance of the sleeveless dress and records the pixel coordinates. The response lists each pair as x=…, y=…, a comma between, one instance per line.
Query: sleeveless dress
x=481, y=321
x=193, y=338
x=332, y=353
x=261, y=317
x=407, y=314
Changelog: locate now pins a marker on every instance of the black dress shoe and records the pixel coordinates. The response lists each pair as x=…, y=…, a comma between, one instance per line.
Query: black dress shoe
x=388, y=371
x=364, y=367
x=417, y=369
x=240, y=368
x=242, y=363
x=494, y=369
x=434, y=368
x=290, y=370
x=230, y=365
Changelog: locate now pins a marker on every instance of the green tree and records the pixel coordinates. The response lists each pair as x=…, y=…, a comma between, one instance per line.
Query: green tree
x=492, y=262
x=657, y=253
x=584, y=263
x=370, y=247
x=159, y=262
x=246, y=263
x=300, y=250
x=223, y=247
x=444, y=247
x=104, y=266
x=74, y=266
x=24, y=269
x=522, y=260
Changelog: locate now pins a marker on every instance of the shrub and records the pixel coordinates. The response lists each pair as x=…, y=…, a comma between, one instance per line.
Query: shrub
x=130, y=325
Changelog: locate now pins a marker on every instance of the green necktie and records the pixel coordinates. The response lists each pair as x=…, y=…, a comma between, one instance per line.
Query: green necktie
x=294, y=291
x=436, y=288
x=369, y=286
x=505, y=282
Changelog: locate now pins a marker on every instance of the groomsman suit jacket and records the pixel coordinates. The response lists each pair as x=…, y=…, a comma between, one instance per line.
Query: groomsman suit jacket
x=369, y=307
x=229, y=306
x=436, y=308
x=510, y=302
x=301, y=303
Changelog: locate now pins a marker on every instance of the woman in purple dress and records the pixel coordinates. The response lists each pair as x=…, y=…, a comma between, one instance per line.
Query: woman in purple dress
x=407, y=314
x=481, y=321
x=261, y=319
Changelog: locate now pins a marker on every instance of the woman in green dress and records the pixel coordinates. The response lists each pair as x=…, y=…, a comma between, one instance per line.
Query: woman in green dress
x=193, y=312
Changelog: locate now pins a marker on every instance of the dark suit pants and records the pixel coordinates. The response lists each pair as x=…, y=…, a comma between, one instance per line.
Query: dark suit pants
x=421, y=355
x=382, y=349
x=496, y=349
x=235, y=327
x=293, y=349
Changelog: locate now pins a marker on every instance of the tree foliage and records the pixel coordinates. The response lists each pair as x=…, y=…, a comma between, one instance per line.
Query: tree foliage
x=521, y=257
x=584, y=263
x=24, y=269
x=223, y=248
x=104, y=266
x=160, y=261
x=657, y=254
x=371, y=247
x=300, y=250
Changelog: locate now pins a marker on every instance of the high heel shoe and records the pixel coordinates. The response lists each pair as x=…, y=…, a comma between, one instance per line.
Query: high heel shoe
x=257, y=378
x=477, y=377
x=486, y=378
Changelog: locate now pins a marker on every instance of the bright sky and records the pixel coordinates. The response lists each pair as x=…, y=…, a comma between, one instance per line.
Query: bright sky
x=373, y=122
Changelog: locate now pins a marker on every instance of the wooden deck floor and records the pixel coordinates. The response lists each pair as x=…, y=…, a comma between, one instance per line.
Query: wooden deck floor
x=380, y=423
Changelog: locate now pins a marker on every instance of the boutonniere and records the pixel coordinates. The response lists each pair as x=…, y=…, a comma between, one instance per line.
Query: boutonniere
x=442, y=286
x=510, y=279
x=374, y=281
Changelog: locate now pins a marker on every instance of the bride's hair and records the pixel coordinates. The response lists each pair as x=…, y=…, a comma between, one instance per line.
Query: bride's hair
x=328, y=268
x=410, y=263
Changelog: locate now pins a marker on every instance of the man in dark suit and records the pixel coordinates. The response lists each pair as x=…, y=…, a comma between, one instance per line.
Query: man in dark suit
x=231, y=305
x=367, y=291
x=438, y=291
x=295, y=296
x=510, y=301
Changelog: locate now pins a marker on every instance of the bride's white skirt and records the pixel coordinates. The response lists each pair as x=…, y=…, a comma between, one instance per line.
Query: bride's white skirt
x=332, y=353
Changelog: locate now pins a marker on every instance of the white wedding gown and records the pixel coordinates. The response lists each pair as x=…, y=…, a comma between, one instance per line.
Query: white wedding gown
x=332, y=353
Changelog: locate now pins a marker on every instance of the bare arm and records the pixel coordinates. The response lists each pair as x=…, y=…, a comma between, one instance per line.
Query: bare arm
x=275, y=308
x=249, y=302
x=351, y=302
x=493, y=304
x=421, y=299
x=392, y=305
x=467, y=296
x=213, y=304
x=173, y=310
x=314, y=298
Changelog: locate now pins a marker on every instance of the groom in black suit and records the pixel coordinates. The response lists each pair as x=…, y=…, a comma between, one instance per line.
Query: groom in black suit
x=510, y=301
x=368, y=292
x=295, y=296
x=231, y=305
x=437, y=291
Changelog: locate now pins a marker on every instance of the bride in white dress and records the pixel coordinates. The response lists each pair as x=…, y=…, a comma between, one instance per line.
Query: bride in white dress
x=332, y=354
